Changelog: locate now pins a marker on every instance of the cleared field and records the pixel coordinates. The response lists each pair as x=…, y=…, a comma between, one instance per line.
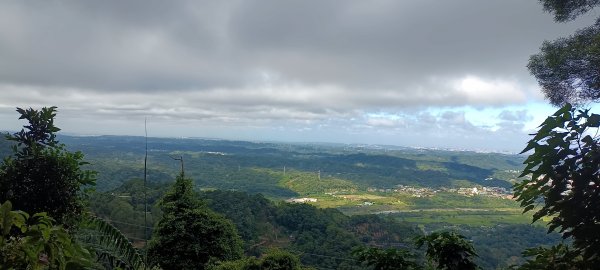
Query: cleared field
x=473, y=217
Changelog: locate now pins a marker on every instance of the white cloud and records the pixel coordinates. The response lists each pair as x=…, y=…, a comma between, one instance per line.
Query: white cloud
x=490, y=92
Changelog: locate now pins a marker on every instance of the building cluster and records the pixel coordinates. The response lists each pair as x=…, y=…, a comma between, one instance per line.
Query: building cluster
x=498, y=192
x=382, y=190
x=420, y=192
x=301, y=200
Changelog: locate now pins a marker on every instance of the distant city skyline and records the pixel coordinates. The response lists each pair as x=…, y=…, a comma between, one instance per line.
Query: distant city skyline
x=407, y=73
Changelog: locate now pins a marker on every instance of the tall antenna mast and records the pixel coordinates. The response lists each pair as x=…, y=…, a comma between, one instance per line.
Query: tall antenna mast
x=145, y=189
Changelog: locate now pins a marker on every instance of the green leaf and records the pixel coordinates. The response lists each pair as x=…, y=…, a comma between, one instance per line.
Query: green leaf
x=114, y=243
x=588, y=139
x=593, y=120
x=531, y=145
x=566, y=108
x=528, y=208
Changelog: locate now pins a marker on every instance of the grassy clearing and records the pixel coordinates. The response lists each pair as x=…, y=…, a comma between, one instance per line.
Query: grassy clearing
x=308, y=183
x=471, y=217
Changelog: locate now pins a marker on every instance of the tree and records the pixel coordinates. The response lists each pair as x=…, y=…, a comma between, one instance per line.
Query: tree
x=190, y=235
x=42, y=176
x=563, y=168
x=564, y=177
x=275, y=259
x=566, y=10
x=34, y=242
x=448, y=250
x=247, y=263
x=558, y=257
x=388, y=259
x=567, y=68
x=280, y=260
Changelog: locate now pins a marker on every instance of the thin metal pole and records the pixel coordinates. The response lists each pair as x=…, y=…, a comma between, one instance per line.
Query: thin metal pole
x=145, y=190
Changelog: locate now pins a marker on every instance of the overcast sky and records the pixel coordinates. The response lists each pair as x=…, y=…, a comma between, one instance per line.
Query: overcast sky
x=412, y=73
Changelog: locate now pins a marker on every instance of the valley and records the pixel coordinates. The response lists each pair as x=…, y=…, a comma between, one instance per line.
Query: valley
x=354, y=179
x=419, y=190
x=345, y=195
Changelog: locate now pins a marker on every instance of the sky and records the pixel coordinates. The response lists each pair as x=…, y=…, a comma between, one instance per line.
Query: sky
x=418, y=73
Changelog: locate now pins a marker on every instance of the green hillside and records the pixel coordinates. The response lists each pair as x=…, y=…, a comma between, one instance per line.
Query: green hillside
x=227, y=164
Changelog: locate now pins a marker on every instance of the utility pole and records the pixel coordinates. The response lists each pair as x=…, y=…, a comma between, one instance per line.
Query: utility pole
x=180, y=158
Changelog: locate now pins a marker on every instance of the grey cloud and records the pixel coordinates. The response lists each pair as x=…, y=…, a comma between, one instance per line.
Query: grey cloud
x=191, y=45
x=388, y=42
x=112, y=45
x=252, y=63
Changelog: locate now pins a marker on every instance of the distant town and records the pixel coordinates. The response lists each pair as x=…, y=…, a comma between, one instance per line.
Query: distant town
x=418, y=192
x=421, y=192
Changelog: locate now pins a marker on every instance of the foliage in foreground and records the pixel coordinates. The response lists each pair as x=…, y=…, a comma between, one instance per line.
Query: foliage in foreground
x=42, y=176
x=563, y=170
x=111, y=247
x=558, y=257
x=564, y=177
x=33, y=242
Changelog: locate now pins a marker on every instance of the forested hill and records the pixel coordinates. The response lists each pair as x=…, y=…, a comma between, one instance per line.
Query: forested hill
x=323, y=238
x=258, y=167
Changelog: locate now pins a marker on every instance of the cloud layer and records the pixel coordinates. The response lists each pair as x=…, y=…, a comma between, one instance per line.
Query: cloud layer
x=270, y=63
